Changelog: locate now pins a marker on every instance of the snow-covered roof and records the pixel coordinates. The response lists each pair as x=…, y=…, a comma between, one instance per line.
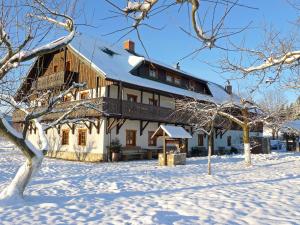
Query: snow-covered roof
x=116, y=63
x=171, y=132
x=292, y=126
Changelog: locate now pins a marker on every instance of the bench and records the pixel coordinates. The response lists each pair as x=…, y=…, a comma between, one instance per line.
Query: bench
x=132, y=152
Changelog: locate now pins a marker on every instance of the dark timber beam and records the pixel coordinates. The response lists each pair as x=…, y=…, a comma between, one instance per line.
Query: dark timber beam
x=143, y=127
x=120, y=124
x=109, y=125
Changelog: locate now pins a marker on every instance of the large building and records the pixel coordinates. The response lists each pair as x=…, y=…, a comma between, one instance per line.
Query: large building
x=135, y=95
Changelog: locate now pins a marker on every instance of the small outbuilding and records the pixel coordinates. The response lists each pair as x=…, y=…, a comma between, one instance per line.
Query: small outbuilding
x=291, y=132
x=177, y=136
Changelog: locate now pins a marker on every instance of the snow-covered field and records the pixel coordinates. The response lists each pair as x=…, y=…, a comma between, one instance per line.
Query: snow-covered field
x=140, y=192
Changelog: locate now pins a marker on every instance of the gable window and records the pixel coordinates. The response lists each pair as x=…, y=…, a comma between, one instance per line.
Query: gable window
x=130, y=137
x=55, y=68
x=131, y=98
x=84, y=95
x=151, y=142
x=65, y=137
x=153, y=73
x=229, y=141
x=82, y=134
x=200, y=140
x=67, y=98
x=152, y=101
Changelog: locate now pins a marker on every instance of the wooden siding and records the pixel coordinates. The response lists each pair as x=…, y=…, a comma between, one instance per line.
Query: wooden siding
x=185, y=81
x=64, y=60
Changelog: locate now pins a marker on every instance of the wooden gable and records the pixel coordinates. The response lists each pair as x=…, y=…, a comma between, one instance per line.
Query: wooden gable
x=58, y=70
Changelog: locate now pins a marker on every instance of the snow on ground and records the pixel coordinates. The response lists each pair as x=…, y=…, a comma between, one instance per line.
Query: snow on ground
x=140, y=192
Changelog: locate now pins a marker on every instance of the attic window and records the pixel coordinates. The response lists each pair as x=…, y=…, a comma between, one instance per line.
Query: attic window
x=109, y=52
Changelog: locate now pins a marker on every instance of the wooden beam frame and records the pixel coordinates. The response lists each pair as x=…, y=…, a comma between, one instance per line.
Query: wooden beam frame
x=142, y=126
x=120, y=123
x=110, y=125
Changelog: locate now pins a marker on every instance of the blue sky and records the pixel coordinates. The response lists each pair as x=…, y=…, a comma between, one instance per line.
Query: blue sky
x=170, y=44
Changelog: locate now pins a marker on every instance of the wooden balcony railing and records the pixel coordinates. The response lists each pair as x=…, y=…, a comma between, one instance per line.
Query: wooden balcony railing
x=54, y=80
x=110, y=107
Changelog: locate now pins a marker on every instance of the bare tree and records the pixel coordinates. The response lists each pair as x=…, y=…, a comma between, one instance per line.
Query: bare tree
x=208, y=23
x=24, y=34
x=275, y=60
x=203, y=116
x=274, y=106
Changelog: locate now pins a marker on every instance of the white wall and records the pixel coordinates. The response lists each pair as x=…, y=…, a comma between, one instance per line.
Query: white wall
x=141, y=141
x=95, y=142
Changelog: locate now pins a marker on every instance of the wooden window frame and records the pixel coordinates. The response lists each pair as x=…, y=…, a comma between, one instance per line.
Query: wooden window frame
x=128, y=136
x=80, y=141
x=151, y=142
x=55, y=68
x=155, y=73
x=134, y=97
x=200, y=139
x=177, y=78
x=83, y=94
x=67, y=98
x=172, y=78
x=65, y=139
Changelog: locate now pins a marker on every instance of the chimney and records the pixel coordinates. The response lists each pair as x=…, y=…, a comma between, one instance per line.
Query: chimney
x=129, y=45
x=228, y=88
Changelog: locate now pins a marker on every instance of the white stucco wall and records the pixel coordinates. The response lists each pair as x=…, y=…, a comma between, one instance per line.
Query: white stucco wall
x=95, y=142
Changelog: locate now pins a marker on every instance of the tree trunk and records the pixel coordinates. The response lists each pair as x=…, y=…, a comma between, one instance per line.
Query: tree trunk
x=246, y=140
x=16, y=188
x=34, y=158
x=209, y=154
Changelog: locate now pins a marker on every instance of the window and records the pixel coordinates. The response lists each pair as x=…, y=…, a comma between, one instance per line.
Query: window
x=55, y=68
x=82, y=137
x=68, y=66
x=229, y=141
x=200, y=140
x=65, y=137
x=131, y=98
x=152, y=101
x=151, y=142
x=130, y=137
x=153, y=73
x=67, y=98
x=84, y=95
x=169, y=78
x=177, y=81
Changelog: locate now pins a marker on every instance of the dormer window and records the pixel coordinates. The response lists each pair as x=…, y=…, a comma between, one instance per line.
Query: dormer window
x=177, y=81
x=169, y=78
x=153, y=73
